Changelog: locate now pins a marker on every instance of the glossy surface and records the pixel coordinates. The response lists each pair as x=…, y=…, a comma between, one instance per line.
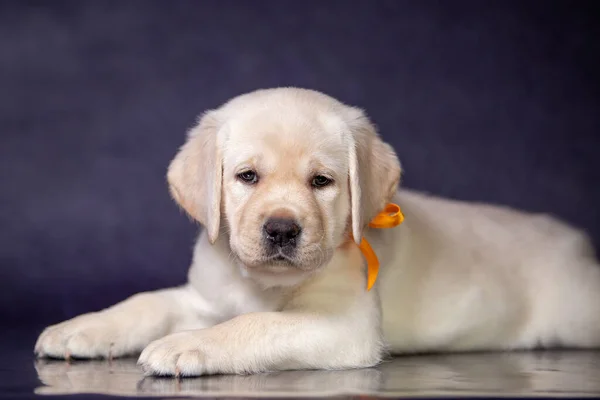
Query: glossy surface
x=566, y=373
x=543, y=374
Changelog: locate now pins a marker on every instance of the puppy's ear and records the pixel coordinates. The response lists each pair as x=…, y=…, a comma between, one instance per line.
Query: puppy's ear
x=374, y=172
x=195, y=175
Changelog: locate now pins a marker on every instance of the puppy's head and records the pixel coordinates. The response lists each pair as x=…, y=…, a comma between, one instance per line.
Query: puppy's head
x=287, y=174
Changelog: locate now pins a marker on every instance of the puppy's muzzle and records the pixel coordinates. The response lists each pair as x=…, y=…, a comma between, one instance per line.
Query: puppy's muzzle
x=281, y=234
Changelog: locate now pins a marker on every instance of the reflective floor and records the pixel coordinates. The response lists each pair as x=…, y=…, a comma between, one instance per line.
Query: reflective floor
x=563, y=373
x=538, y=374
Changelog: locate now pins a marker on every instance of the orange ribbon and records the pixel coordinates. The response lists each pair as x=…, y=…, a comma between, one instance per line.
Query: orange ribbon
x=390, y=217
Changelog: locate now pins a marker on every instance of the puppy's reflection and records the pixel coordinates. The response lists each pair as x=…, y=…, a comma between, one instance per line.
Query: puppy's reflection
x=123, y=377
x=324, y=383
x=528, y=373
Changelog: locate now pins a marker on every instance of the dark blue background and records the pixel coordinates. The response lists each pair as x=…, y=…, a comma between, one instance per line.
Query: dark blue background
x=483, y=100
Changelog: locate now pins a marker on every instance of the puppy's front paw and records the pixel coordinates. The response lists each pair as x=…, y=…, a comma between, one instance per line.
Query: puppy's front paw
x=87, y=336
x=182, y=354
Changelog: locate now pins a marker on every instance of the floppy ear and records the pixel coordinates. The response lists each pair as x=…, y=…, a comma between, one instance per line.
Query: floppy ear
x=374, y=172
x=195, y=175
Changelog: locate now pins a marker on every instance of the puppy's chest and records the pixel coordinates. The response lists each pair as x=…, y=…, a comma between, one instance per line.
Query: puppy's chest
x=245, y=299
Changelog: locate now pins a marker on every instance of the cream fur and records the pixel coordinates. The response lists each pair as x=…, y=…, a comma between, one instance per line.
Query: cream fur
x=455, y=276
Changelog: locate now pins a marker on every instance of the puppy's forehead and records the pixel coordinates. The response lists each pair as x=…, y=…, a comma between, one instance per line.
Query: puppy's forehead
x=288, y=135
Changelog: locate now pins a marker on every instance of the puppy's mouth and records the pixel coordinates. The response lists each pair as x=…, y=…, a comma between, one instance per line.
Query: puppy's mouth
x=278, y=264
x=281, y=259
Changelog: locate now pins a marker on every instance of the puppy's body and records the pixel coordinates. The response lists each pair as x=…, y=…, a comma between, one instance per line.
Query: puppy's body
x=460, y=276
x=291, y=176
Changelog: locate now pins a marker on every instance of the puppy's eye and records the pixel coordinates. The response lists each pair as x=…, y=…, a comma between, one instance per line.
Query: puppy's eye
x=320, y=181
x=248, y=177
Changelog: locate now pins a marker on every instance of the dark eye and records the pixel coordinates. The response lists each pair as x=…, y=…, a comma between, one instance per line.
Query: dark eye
x=320, y=181
x=248, y=176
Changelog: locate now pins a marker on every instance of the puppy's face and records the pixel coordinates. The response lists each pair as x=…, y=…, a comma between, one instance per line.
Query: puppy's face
x=285, y=189
x=288, y=174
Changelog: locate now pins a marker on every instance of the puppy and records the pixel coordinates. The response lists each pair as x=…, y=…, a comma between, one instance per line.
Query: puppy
x=285, y=182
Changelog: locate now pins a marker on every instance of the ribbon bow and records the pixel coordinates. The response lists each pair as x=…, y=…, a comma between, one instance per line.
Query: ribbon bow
x=390, y=217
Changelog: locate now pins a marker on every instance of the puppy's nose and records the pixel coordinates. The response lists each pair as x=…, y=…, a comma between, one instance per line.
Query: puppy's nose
x=282, y=231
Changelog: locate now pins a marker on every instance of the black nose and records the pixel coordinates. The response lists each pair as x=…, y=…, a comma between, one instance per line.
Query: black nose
x=282, y=231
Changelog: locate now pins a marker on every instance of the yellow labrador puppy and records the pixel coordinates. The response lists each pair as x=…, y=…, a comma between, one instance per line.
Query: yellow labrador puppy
x=283, y=180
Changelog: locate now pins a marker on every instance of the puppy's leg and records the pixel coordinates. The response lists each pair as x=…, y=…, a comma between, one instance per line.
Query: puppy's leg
x=123, y=329
x=268, y=341
x=576, y=315
x=330, y=323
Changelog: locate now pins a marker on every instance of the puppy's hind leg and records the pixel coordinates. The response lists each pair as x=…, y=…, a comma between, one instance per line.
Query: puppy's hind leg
x=578, y=312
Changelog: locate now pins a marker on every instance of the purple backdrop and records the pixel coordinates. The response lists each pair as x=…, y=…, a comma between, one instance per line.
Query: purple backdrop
x=483, y=100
